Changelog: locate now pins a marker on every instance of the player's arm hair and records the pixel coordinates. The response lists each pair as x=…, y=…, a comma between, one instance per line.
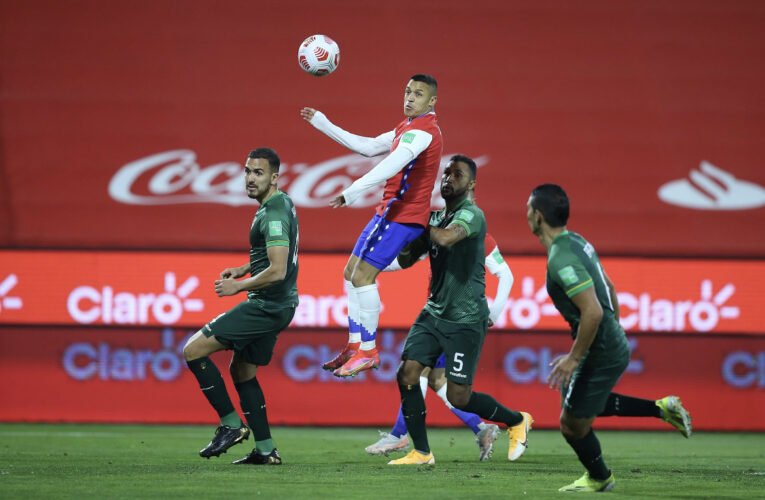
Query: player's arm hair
x=365, y=146
x=448, y=236
x=278, y=255
x=612, y=293
x=591, y=314
x=413, y=251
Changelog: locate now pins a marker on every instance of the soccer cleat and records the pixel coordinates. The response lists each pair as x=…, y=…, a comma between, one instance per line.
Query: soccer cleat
x=225, y=437
x=255, y=458
x=339, y=360
x=388, y=443
x=587, y=484
x=360, y=361
x=673, y=413
x=485, y=439
x=519, y=437
x=414, y=457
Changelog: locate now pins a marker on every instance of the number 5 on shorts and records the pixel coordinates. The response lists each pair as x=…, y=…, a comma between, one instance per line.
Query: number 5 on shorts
x=458, y=361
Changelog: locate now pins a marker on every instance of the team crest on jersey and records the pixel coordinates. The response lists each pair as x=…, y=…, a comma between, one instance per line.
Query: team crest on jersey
x=568, y=275
x=275, y=228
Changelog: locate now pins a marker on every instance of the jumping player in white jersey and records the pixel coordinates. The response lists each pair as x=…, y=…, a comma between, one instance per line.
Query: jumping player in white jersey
x=409, y=173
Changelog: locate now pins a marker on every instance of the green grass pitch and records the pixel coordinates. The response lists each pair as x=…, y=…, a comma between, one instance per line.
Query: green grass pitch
x=43, y=461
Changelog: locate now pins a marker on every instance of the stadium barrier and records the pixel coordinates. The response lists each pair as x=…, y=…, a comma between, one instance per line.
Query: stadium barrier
x=107, y=374
x=176, y=289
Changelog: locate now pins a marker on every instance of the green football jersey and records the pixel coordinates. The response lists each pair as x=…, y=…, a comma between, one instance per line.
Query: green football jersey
x=573, y=266
x=275, y=224
x=457, y=284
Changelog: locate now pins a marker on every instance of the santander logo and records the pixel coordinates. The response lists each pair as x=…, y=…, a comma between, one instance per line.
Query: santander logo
x=712, y=188
x=175, y=177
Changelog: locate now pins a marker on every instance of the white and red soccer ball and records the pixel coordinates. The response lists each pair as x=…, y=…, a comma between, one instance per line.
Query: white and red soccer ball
x=319, y=55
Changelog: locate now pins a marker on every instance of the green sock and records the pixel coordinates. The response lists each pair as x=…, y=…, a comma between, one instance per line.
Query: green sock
x=254, y=408
x=413, y=409
x=264, y=447
x=488, y=408
x=231, y=420
x=213, y=387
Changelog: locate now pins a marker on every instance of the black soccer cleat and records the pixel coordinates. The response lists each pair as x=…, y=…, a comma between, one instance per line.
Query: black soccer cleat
x=225, y=437
x=255, y=458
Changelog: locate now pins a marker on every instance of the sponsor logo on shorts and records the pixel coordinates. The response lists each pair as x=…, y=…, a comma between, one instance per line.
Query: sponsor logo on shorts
x=455, y=374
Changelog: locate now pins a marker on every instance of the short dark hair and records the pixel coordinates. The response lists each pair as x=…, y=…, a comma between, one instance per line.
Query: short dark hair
x=552, y=201
x=428, y=80
x=267, y=154
x=467, y=161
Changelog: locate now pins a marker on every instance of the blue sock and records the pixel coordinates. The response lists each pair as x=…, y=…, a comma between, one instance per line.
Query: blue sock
x=399, y=428
x=471, y=419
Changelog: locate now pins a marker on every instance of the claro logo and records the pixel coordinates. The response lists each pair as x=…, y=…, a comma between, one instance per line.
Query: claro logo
x=87, y=304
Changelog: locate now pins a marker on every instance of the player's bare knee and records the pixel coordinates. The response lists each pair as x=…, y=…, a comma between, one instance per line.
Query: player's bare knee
x=190, y=350
x=408, y=373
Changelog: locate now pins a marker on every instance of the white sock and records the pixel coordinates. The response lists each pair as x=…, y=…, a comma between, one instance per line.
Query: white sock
x=354, y=335
x=442, y=394
x=369, y=314
x=424, y=385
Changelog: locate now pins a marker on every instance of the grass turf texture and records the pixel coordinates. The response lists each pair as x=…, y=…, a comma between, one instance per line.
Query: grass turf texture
x=136, y=461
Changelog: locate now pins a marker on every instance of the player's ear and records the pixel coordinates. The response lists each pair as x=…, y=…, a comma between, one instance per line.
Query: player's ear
x=432, y=101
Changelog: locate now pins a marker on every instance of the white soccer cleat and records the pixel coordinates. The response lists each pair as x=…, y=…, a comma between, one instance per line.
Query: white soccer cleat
x=485, y=439
x=388, y=443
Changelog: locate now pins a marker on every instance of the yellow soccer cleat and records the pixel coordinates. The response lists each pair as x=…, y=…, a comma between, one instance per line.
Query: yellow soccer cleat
x=414, y=457
x=519, y=437
x=587, y=484
x=673, y=413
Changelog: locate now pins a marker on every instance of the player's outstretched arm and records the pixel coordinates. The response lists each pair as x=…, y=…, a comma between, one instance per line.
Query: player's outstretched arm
x=365, y=146
x=411, y=145
x=499, y=268
x=448, y=236
x=275, y=272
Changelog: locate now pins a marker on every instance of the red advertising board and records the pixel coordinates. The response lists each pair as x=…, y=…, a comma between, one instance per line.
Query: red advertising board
x=138, y=375
x=649, y=113
x=176, y=289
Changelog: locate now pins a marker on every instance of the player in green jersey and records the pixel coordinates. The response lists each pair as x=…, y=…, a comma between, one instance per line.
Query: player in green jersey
x=251, y=328
x=455, y=318
x=586, y=375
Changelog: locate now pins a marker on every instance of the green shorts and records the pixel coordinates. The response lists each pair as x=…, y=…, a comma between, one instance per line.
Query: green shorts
x=460, y=342
x=250, y=330
x=592, y=382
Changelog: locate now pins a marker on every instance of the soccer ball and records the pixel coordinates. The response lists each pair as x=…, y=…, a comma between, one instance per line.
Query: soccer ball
x=319, y=55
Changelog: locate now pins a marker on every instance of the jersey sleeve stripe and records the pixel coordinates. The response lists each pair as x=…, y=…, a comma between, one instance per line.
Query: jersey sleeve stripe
x=278, y=243
x=580, y=287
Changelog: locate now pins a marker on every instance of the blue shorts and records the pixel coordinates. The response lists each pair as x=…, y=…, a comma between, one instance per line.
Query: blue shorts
x=381, y=241
x=441, y=361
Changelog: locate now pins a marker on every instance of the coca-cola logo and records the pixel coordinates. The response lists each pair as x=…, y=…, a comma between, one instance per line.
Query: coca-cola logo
x=175, y=177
